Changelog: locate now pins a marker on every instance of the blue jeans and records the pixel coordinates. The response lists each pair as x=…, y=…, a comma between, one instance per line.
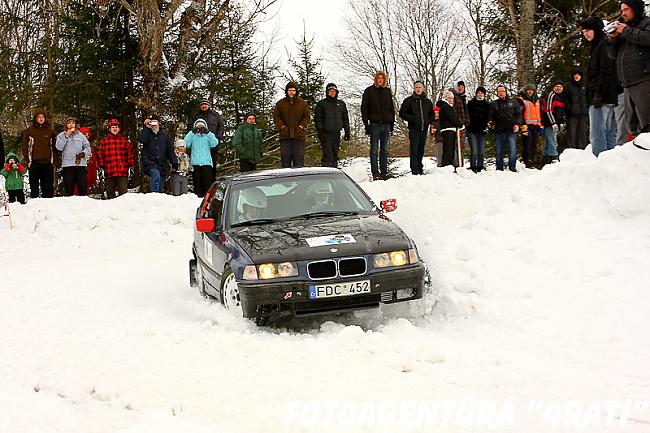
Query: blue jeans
x=155, y=182
x=477, y=143
x=417, y=140
x=379, y=147
x=550, y=142
x=510, y=139
x=602, y=130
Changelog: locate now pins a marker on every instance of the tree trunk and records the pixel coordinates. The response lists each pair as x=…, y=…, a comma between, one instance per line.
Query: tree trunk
x=525, y=67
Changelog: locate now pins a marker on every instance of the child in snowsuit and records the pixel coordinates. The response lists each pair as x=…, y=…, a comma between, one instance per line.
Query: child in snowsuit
x=13, y=172
x=179, y=177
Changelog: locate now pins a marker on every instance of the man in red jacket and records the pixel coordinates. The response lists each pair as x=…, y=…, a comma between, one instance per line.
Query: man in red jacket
x=115, y=158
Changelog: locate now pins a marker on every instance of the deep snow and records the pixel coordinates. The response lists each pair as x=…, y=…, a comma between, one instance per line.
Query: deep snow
x=542, y=281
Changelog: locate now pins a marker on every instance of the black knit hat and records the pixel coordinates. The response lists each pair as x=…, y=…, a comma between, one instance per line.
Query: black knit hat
x=460, y=83
x=330, y=86
x=481, y=89
x=592, y=23
x=204, y=101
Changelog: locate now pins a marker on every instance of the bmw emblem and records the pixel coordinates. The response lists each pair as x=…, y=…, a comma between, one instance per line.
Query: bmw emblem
x=334, y=250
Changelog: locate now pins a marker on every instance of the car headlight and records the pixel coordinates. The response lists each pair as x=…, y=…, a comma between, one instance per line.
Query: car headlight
x=250, y=272
x=395, y=258
x=277, y=270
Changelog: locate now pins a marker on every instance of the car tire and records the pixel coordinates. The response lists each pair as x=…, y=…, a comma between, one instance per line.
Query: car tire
x=230, y=293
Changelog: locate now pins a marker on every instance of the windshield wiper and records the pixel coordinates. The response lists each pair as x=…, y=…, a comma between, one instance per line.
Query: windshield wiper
x=326, y=213
x=256, y=222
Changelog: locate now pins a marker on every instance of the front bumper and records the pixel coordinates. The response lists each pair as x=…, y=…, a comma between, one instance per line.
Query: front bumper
x=292, y=297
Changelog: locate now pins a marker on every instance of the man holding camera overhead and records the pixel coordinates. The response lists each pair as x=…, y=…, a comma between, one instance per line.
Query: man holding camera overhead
x=629, y=45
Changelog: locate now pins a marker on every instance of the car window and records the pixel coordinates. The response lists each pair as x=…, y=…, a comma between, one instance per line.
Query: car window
x=282, y=199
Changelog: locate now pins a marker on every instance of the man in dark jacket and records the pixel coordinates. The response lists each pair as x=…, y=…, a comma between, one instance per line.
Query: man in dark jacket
x=577, y=111
x=450, y=127
x=504, y=118
x=156, y=148
x=602, y=88
x=477, y=109
x=330, y=117
x=417, y=110
x=629, y=44
x=38, y=154
x=291, y=117
x=378, y=116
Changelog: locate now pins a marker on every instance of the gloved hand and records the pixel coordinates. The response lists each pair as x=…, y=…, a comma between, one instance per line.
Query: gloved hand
x=598, y=101
x=346, y=137
x=14, y=166
x=555, y=129
x=81, y=155
x=367, y=129
x=200, y=130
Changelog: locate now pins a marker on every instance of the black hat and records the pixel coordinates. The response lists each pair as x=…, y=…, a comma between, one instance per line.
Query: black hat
x=460, y=83
x=154, y=117
x=330, y=86
x=592, y=23
x=481, y=89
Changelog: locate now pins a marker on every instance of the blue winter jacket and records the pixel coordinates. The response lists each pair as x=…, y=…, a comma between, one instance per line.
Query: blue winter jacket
x=155, y=149
x=71, y=146
x=200, y=145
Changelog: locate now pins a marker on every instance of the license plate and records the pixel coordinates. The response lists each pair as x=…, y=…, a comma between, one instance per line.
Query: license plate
x=339, y=289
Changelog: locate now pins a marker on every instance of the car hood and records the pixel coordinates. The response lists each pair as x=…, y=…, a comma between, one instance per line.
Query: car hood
x=308, y=239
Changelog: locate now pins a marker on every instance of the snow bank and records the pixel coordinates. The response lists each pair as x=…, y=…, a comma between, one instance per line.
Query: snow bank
x=541, y=279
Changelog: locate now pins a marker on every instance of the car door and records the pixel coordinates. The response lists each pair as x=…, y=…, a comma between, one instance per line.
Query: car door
x=212, y=247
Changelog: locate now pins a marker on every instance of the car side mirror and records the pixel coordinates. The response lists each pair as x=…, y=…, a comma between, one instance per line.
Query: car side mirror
x=388, y=205
x=205, y=225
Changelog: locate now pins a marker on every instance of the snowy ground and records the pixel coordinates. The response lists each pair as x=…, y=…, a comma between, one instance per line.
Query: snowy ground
x=542, y=317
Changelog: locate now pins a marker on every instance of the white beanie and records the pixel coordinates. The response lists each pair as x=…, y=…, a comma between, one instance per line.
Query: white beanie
x=180, y=143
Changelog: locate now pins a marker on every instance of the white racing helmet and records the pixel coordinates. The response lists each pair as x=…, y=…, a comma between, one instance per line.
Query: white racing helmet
x=321, y=192
x=253, y=197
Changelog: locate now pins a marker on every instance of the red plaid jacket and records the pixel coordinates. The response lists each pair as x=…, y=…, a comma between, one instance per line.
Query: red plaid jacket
x=115, y=155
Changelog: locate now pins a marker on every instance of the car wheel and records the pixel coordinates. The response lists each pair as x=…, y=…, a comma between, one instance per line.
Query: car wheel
x=230, y=293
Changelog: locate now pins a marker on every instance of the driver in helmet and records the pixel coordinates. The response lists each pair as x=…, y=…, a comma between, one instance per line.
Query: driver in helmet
x=322, y=196
x=252, y=204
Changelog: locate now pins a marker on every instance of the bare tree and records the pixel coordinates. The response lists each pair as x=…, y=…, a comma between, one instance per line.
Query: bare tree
x=483, y=51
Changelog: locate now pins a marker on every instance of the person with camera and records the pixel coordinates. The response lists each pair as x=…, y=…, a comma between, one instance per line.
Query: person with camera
x=602, y=88
x=75, y=149
x=13, y=171
x=629, y=45
x=156, y=149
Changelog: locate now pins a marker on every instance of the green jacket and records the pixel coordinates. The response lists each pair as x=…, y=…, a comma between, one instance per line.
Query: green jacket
x=14, y=176
x=248, y=143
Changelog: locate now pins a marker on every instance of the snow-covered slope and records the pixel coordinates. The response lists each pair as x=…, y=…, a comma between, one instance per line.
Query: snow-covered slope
x=542, y=313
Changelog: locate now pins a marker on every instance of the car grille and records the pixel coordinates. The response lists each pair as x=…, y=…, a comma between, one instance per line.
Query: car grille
x=321, y=270
x=352, y=267
x=337, y=304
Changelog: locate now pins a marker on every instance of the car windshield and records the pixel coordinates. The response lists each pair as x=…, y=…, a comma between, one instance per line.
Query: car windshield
x=311, y=196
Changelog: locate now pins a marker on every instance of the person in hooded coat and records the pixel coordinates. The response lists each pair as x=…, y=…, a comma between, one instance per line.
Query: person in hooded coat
x=602, y=88
x=531, y=127
x=13, y=171
x=330, y=117
x=38, y=153
x=248, y=144
x=200, y=141
x=577, y=110
x=291, y=117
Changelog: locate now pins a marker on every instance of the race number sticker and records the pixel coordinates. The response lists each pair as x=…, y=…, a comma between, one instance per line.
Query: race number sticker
x=330, y=240
x=207, y=250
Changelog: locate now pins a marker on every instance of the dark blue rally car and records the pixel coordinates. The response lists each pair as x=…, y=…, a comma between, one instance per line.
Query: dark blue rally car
x=300, y=242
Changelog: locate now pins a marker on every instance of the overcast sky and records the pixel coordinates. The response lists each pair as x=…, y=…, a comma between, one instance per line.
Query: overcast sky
x=322, y=19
